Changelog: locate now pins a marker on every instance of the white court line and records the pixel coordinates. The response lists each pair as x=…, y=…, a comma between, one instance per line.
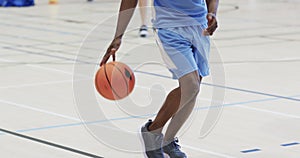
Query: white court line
x=35, y=84
x=40, y=83
x=51, y=69
x=46, y=68
x=36, y=66
x=39, y=110
x=207, y=151
x=269, y=111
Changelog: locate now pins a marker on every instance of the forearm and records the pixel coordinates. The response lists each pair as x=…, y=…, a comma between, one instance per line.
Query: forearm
x=212, y=6
x=126, y=11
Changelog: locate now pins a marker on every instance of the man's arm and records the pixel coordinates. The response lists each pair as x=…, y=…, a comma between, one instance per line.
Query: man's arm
x=212, y=7
x=126, y=11
x=127, y=8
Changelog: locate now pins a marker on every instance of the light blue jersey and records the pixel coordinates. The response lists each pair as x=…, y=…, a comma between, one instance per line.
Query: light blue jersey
x=177, y=13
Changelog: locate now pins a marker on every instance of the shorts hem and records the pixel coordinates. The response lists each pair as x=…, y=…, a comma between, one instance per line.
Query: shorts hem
x=179, y=75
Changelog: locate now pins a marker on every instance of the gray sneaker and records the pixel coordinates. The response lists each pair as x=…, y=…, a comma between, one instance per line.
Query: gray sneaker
x=173, y=149
x=152, y=142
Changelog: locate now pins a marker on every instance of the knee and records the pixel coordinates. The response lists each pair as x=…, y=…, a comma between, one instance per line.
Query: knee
x=191, y=88
x=194, y=88
x=190, y=84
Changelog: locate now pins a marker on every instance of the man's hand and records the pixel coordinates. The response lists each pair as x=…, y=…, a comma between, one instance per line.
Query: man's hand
x=212, y=24
x=111, y=51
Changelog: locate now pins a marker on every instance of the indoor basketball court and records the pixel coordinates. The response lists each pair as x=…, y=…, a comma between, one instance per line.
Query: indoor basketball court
x=249, y=107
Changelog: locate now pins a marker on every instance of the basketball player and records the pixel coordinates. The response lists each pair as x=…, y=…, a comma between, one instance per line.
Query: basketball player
x=183, y=28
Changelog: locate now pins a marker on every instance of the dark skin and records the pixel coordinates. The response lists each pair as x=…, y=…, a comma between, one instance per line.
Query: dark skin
x=126, y=11
x=168, y=109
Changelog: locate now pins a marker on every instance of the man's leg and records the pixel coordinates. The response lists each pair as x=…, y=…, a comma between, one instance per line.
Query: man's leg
x=168, y=109
x=183, y=96
x=151, y=131
x=143, y=12
x=185, y=109
x=188, y=99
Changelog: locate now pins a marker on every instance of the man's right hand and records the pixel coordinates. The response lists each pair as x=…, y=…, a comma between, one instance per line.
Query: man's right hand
x=111, y=51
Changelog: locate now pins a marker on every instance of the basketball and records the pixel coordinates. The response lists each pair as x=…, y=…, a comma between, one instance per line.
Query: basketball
x=114, y=80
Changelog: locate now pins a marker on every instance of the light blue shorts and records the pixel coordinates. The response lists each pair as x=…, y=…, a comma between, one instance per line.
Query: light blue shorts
x=184, y=49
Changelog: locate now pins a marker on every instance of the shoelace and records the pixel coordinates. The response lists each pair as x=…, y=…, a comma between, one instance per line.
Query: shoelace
x=175, y=142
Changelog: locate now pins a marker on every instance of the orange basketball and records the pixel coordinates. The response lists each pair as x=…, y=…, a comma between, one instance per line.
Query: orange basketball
x=114, y=80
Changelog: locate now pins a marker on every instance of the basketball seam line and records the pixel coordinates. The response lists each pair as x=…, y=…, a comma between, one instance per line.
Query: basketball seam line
x=124, y=77
x=114, y=92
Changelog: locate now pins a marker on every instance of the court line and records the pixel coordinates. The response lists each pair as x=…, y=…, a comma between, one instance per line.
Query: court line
x=202, y=150
x=42, y=29
x=227, y=87
x=40, y=67
x=39, y=110
x=164, y=76
x=158, y=75
x=80, y=152
x=46, y=68
x=88, y=154
x=125, y=118
x=35, y=84
x=283, y=97
x=169, y=77
x=41, y=42
x=43, y=21
x=143, y=116
x=48, y=55
x=250, y=150
x=42, y=83
x=238, y=103
x=270, y=111
x=254, y=92
x=289, y=144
